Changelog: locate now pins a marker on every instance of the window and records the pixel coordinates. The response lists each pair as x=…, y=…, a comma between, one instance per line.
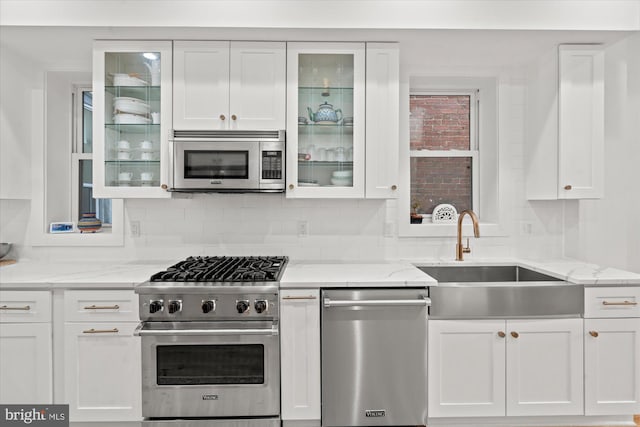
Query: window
x=450, y=153
x=82, y=163
x=443, y=150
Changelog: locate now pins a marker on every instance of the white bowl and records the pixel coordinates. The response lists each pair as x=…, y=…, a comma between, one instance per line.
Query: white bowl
x=130, y=105
x=342, y=174
x=128, y=80
x=344, y=182
x=130, y=119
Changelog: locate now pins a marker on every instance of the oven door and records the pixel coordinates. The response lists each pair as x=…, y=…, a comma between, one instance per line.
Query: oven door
x=210, y=369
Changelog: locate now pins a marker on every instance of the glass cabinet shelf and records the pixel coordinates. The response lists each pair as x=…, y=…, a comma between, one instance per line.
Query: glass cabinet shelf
x=133, y=162
x=134, y=128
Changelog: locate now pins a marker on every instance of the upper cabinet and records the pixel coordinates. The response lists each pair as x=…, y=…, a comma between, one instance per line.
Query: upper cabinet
x=229, y=85
x=132, y=116
x=564, y=154
x=338, y=144
x=325, y=133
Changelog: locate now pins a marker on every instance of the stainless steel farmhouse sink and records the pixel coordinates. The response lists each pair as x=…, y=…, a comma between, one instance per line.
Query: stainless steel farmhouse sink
x=505, y=291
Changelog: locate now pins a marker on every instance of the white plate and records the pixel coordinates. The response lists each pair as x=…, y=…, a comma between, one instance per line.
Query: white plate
x=130, y=105
x=130, y=119
x=128, y=80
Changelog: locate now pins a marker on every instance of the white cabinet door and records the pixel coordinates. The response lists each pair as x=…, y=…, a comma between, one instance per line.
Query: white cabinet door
x=25, y=363
x=257, y=85
x=131, y=150
x=612, y=366
x=325, y=120
x=382, y=110
x=102, y=371
x=564, y=153
x=201, y=85
x=581, y=122
x=229, y=85
x=300, y=354
x=544, y=367
x=466, y=368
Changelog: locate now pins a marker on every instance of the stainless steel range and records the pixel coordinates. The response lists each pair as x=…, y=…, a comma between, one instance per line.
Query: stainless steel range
x=210, y=344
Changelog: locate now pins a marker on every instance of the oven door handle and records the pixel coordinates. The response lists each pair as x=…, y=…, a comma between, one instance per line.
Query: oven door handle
x=203, y=332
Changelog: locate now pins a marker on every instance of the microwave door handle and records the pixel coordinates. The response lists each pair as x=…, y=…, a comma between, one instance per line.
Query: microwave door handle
x=207, y=332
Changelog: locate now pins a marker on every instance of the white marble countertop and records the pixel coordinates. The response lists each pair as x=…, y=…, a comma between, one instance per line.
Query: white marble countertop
x=305, y=274
x=298, y=274
x=65, y=275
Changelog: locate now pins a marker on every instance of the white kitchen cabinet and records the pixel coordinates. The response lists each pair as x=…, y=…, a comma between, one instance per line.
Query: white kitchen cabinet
x=612, y=351
x=300, y=354
x=505, y=367
x=544, y=367
x=25, y=347
x=325, y=120
x=101, y=356
x=466, y=368
x=131, y=118
x=229, y=85
x=564, y=154
x=382, y=124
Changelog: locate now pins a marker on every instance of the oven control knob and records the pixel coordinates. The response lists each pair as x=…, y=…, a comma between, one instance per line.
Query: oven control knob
x=242, y=306
x=208, y=306
x=155, y=306
x=260, y=306
x=174, y=306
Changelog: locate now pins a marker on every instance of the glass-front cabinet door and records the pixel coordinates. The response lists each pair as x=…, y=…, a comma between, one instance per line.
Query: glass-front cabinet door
x=325, y=119
x=132, y=118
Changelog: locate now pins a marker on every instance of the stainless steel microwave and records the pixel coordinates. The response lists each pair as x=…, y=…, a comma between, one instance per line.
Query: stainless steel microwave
x=228, y=161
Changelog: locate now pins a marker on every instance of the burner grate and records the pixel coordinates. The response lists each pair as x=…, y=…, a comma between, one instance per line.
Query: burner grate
x=223, y=269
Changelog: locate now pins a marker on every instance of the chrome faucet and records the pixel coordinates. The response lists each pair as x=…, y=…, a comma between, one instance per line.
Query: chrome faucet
x=476, y=232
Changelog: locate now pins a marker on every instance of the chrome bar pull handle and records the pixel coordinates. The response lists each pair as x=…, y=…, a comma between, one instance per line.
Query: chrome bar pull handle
x=102, y=307
x=6, y=307
x=378, y=303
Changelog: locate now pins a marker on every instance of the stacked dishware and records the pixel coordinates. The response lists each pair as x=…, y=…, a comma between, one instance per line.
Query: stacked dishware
x=128, y=110
x=342, y=178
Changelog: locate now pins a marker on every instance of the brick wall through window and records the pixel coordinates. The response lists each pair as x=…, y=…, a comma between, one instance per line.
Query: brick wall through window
x=440, y=122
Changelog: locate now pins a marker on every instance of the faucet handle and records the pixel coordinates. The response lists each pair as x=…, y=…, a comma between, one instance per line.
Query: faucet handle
x=466, y=249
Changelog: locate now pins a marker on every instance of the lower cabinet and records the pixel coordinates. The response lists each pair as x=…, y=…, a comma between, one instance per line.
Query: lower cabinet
x=612, y=366
x=101, y=356
x=300, y=354
x=505, y=367
x=25, y=347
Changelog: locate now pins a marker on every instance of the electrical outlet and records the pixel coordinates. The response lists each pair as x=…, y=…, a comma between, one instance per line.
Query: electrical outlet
x=303, y=228
x=525, y=227
x=135, y=228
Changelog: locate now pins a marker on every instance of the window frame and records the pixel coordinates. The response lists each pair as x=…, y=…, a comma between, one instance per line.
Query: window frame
x=40, y=235
x=487, y=201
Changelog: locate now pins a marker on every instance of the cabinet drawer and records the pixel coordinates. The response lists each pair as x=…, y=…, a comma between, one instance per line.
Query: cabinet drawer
x=612, y=302
x=100, y=306
x=25, y=306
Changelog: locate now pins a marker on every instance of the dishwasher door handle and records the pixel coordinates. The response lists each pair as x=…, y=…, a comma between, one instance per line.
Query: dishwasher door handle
x=426, y=301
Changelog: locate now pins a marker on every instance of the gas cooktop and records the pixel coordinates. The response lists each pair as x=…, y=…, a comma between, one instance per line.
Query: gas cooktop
x=213, y=288
x=224, y=269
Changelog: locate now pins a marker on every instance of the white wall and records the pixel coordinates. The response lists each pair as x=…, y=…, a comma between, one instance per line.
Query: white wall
x=18, y=77
x=607, y=231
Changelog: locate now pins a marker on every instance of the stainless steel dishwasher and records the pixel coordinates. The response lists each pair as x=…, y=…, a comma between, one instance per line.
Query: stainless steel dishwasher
x=374, y=357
